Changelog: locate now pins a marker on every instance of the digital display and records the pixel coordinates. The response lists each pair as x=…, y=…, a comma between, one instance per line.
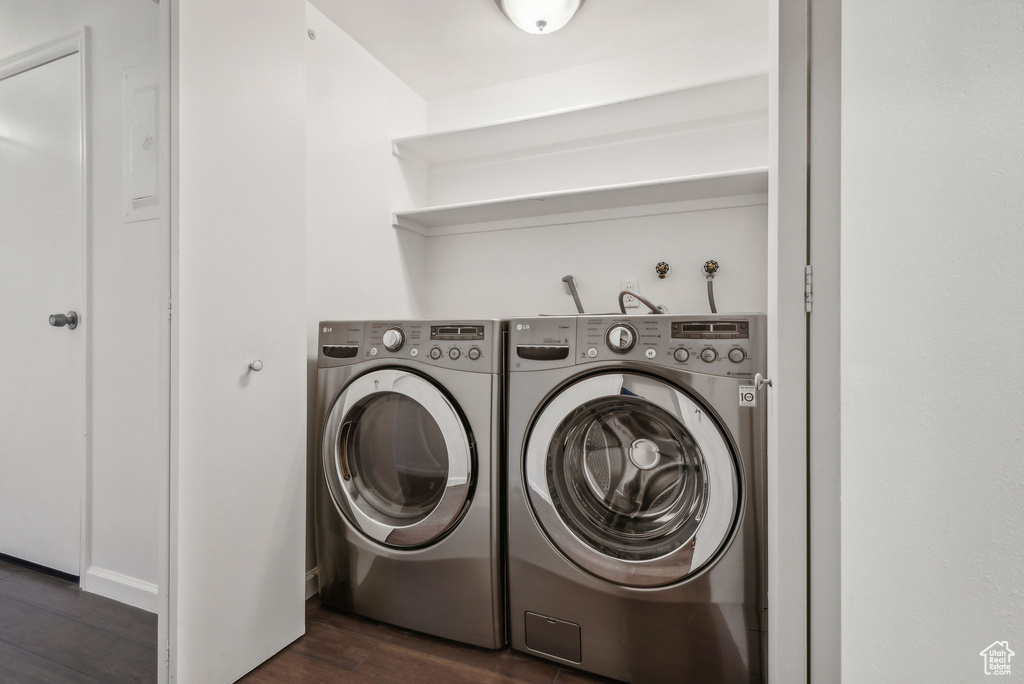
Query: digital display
x=710, y=330
x=456, y=332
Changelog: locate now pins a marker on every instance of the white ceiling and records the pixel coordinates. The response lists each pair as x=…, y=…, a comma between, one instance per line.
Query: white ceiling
x=440, y=47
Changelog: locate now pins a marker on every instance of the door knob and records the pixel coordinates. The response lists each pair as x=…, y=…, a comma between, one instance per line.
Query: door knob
x=68, y=320
x=256, y=365
x=760, y=381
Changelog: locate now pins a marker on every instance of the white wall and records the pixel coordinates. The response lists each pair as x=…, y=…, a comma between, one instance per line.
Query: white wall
x=519, y=272
x=128, y=300
x=932, y=295
x=358, y=266
x=718, y=56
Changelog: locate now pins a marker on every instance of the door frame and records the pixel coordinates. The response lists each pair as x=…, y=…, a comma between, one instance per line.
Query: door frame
x=804, y=454
x=71, y=44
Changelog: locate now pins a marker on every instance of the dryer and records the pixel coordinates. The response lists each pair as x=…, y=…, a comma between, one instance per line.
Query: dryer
x=409, y=486
x=636, y=475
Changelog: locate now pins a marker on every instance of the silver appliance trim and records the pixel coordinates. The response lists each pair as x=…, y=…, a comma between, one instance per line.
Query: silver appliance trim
x=347, y=496
x=723, y=481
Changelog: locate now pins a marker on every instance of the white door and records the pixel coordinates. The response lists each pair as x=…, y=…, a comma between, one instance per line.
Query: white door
x=42, y=398
x=238, y=462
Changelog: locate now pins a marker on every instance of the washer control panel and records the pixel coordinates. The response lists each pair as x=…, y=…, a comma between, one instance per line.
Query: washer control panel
x=731, y=345
x=464, y=345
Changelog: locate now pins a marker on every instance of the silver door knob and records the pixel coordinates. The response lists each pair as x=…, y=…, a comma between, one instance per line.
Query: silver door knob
x=760, y=381
x=68, y=320
x=256, y=366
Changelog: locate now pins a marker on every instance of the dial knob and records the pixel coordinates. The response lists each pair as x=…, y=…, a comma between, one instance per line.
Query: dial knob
x=708, y=355
x=681, y=355
x=394, y=338
x=621, y=338
x=435, y=353
x=454, y=353
x=474, y=353
x=737, y=355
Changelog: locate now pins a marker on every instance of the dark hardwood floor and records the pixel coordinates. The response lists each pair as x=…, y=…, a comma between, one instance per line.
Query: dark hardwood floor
x=344, y=648
x=52, y=632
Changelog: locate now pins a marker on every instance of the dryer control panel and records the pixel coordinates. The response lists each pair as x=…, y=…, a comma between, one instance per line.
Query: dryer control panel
x=731, y=345
x=471, y=345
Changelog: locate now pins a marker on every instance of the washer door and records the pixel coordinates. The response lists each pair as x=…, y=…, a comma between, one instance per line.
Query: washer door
x=632, y=479
x=397, y=458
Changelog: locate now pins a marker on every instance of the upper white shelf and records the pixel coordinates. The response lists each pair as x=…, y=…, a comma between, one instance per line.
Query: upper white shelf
x=582, y=204
x=720, y=100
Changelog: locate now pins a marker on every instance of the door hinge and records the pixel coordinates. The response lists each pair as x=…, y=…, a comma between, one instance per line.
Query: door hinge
x=808, y=288
x=170, y=308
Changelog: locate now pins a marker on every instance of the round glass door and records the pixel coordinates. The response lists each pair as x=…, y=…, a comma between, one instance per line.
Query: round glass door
x=632, y=479
x=398, y=458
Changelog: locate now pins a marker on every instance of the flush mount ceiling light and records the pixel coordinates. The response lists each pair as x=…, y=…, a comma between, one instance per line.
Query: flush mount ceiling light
x=539, y=16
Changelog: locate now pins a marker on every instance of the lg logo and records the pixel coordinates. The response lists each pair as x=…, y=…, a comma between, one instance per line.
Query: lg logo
x=522, y=326
x=327, y=330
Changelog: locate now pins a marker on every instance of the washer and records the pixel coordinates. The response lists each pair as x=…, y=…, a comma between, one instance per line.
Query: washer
x=409, y=491
x=636, y=528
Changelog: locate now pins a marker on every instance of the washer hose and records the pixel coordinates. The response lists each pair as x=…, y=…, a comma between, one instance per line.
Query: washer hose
x=646, y=302
x=710, y=269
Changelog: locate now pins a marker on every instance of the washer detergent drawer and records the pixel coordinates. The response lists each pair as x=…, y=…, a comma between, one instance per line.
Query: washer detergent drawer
x=553, y=637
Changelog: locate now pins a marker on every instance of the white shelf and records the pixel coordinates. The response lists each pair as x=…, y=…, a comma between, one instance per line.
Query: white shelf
x=745, y=186
x=701, y=105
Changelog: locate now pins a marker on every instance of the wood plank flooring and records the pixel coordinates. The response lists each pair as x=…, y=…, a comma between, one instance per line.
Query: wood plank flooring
x=343, y=648
x=52, y=632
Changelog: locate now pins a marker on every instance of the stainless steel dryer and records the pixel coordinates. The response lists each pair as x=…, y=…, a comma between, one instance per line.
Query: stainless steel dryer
x=409, y=491
x=636, y=528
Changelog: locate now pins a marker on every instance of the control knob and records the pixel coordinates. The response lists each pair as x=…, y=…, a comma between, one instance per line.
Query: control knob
x=435, y=353
x=708, y=355
x=474, y=353
x=681, y=355
x=394, y=338
x=621, y=338
x=737, y=355
x=454, y=353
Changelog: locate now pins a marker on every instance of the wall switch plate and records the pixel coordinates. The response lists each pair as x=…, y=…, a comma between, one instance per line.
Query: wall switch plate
x=632, y=286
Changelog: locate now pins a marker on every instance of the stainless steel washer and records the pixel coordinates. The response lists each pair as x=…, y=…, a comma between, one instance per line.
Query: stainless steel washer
x=409, y=485
x=636, y=533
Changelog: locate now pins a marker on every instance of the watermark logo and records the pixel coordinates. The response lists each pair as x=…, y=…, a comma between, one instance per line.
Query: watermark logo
x=997, y=658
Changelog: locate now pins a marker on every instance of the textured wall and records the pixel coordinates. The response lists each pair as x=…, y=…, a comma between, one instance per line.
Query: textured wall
x=932, y=300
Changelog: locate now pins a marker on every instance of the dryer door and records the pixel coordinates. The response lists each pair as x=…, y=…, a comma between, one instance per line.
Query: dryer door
x=632, y=479
x=398, y=458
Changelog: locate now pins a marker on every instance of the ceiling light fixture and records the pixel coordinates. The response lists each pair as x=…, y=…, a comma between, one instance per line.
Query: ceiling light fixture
x=539, y=16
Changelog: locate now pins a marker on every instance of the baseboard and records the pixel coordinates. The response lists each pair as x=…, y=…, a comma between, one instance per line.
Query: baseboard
x=121, y=588
x=312, y=585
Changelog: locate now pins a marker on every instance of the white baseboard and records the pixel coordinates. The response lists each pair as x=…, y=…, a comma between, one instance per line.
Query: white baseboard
x=312, y=585
x=121, y=588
